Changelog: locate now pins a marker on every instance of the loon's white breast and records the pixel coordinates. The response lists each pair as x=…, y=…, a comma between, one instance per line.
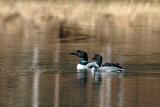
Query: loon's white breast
x=81, y=67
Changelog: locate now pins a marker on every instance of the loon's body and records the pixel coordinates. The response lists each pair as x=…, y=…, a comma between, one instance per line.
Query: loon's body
x=107, y=67
x=110, y=69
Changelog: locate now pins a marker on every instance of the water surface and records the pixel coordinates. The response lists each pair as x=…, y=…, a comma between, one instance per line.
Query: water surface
x=37, y=71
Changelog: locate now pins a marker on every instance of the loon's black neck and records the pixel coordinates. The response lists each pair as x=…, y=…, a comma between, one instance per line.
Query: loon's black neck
x=98, y=58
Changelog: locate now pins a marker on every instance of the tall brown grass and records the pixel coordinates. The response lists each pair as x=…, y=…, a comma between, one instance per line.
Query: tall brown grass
x=101, y=17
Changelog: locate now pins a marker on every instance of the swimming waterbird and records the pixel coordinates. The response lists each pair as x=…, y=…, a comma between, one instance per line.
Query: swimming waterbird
x=107, y=67
x=96, y=65
x=83, y=59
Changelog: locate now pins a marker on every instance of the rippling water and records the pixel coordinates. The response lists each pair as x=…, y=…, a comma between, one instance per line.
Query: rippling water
x=37, y=71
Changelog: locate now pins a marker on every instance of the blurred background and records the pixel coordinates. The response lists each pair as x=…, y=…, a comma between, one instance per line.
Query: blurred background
x=132, y=25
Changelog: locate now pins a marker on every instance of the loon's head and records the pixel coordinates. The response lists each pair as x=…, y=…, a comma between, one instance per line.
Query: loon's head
x=98, y=58
x=81, y=54
x=83, y=58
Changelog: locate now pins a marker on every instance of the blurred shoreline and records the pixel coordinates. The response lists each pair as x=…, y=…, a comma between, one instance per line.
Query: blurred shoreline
x=91, y=18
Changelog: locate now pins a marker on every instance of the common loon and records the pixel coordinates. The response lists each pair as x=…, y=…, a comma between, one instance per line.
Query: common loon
x=107, y=67
x=83, y=59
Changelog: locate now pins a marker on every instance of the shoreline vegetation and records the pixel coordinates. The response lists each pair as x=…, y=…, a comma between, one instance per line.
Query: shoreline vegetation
x=92, y=18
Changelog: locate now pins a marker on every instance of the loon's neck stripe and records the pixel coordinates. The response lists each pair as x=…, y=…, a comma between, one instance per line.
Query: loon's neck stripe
x=83, y=62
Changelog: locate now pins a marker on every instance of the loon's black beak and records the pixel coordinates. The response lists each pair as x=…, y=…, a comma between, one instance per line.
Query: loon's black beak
x=73, y=53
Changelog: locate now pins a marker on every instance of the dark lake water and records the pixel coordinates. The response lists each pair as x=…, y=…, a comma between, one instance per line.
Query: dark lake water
x=37, y=71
